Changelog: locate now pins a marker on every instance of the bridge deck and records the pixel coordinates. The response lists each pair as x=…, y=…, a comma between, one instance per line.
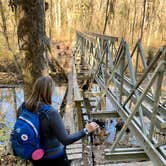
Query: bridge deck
x=75, y=151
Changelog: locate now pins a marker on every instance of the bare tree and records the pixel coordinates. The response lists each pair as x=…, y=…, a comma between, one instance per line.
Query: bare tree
x=32, y=40
x=5, y=34
x=135, y=12
x=106, y=16
x=143, y=19
x=51, y=20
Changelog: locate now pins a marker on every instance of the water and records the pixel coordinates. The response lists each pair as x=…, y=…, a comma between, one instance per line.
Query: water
x=111, y=129
x=12, y=98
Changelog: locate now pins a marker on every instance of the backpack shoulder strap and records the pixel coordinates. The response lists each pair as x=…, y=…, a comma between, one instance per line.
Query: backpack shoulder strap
x=44, y=110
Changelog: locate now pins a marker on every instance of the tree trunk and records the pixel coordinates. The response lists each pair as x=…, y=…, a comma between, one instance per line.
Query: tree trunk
x=51, y=20
x=90, y=15
x=58, y=16
x=106, y=16
x=32, y=39
x=4, y=28
x=143, y=20
x=133, y=27
x=68, y=18
x=149, y=34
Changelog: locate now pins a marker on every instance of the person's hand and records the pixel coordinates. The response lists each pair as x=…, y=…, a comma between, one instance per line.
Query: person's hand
x=91, y=126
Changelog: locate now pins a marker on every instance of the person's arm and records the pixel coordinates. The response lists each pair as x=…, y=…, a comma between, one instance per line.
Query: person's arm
x=58, y=129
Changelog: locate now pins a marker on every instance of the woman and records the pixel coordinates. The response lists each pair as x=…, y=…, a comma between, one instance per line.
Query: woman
x=54, y=137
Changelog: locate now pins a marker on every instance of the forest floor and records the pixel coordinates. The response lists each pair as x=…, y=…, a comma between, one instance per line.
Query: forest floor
x=62, y=53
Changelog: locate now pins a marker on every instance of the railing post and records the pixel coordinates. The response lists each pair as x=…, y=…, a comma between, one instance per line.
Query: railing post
x=79, y=115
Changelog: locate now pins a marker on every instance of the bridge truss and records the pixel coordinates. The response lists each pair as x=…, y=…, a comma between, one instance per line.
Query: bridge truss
x=135, y=95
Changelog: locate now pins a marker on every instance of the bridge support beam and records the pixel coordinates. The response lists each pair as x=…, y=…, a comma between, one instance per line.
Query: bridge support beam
x=152, y=152
x=126, y=154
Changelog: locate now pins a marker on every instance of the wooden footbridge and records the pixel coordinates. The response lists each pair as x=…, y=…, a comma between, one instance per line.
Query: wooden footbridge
x=105, y=69
x=135, y=89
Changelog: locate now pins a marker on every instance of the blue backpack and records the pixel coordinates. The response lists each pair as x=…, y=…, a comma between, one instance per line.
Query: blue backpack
x=25, y=137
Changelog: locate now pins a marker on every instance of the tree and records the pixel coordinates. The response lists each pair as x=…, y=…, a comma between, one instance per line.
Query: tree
x=32, y=40
x=134, y=20
x=143, y=20
x=106, y=17
x=5, y=34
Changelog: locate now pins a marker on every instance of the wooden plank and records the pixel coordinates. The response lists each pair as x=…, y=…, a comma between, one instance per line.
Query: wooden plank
x=79, y=115
x=78, y=142
x=105, y=114
x=77, y=95
x=87, y=37
x=73, y=151
x=127, y=156
x=72, y=146
x=69, y=115
x=93, y=94
x=74, y=156
x=101, y=36
x=125, y=149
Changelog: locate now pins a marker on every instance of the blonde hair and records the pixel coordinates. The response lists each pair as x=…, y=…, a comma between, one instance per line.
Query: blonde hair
x=42, y=92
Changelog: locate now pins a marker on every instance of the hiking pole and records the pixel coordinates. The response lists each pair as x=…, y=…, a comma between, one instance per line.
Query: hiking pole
x=88, y=120
x=91, y=145
x=92, y=153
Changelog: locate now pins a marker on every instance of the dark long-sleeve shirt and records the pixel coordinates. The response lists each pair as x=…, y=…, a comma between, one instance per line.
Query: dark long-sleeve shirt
x=53, y=133
x=58, y=130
